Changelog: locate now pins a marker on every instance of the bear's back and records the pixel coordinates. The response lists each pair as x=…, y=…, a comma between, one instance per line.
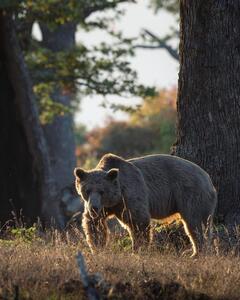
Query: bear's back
x=161, y=167
x=171, y=180
x=171, y=169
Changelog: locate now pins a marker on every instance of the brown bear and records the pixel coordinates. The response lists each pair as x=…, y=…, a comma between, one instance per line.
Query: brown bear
x=137, y=190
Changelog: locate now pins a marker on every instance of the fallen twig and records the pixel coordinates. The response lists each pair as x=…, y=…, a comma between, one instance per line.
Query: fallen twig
x=92, y=293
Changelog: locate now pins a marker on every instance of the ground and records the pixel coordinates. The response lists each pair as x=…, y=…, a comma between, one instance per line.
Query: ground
x=44, y=266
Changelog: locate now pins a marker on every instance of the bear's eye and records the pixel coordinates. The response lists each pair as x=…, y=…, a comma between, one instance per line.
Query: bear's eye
x=101, y=192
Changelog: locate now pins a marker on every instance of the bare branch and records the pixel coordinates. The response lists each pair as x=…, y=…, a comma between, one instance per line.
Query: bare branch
x=141, y=46
x=91, y=292
x=161, y=44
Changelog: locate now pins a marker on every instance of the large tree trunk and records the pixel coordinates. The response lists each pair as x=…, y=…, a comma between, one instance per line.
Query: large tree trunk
x=208, y=104
x=59, y=134
x=25, y=172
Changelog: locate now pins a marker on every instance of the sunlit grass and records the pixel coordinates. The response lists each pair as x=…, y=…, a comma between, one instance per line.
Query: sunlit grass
x=35, y=265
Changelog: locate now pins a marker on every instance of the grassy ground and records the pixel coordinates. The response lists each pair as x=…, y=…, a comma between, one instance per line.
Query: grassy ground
x=45, y=267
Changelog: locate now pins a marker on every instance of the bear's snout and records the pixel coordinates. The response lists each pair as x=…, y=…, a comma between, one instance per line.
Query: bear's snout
x=94, y=204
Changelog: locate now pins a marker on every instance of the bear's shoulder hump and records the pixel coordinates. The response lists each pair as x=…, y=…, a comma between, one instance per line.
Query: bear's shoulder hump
x=109, y=161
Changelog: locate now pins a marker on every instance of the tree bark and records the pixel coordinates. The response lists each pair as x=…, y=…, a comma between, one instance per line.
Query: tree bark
x=208, y=104
x=59, y=134
x=28, y=176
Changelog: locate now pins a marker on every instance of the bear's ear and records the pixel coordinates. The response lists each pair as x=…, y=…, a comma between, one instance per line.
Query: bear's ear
x=112, y=174
x=80, y=174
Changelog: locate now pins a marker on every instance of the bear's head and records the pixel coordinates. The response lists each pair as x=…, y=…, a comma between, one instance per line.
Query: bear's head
x=98, y=189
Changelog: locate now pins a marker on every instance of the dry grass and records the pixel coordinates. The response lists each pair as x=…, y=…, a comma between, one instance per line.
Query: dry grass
x=45, y=268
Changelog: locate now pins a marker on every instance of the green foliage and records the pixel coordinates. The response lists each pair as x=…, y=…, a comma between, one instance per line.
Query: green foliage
x=24, y=234
x=123, y=244
x=6, y=4
x=171, y=6
x=101, y=69
x=18, y=235
x=48, y=108
x=98, y=70
x=56, y=12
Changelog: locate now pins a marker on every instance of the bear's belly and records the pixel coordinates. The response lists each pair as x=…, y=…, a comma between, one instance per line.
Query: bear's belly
x=162, y=209
x=169, y=219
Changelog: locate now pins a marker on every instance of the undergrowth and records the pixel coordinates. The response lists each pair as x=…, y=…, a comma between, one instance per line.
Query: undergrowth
x=42, y=265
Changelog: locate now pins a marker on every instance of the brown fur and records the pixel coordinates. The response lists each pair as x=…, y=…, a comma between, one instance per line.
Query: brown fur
x=150, y=187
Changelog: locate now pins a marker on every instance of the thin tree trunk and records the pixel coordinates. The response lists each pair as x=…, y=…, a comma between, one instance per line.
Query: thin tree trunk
x=208, y=105
x=59, y=134
x=27, y=115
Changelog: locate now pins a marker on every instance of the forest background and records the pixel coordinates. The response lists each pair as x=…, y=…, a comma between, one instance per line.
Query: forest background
x=51, y=69
x=44, y=80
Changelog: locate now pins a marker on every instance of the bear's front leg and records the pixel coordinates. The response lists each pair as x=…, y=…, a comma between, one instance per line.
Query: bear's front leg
x=96, y=231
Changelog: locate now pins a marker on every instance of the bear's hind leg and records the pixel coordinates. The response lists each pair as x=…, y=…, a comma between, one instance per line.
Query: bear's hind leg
x=199, y=232
x=195, y=232
x=191, y=233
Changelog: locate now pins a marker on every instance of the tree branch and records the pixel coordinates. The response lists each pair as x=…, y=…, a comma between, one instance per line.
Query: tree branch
x=161, y=44
x=91, y=292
